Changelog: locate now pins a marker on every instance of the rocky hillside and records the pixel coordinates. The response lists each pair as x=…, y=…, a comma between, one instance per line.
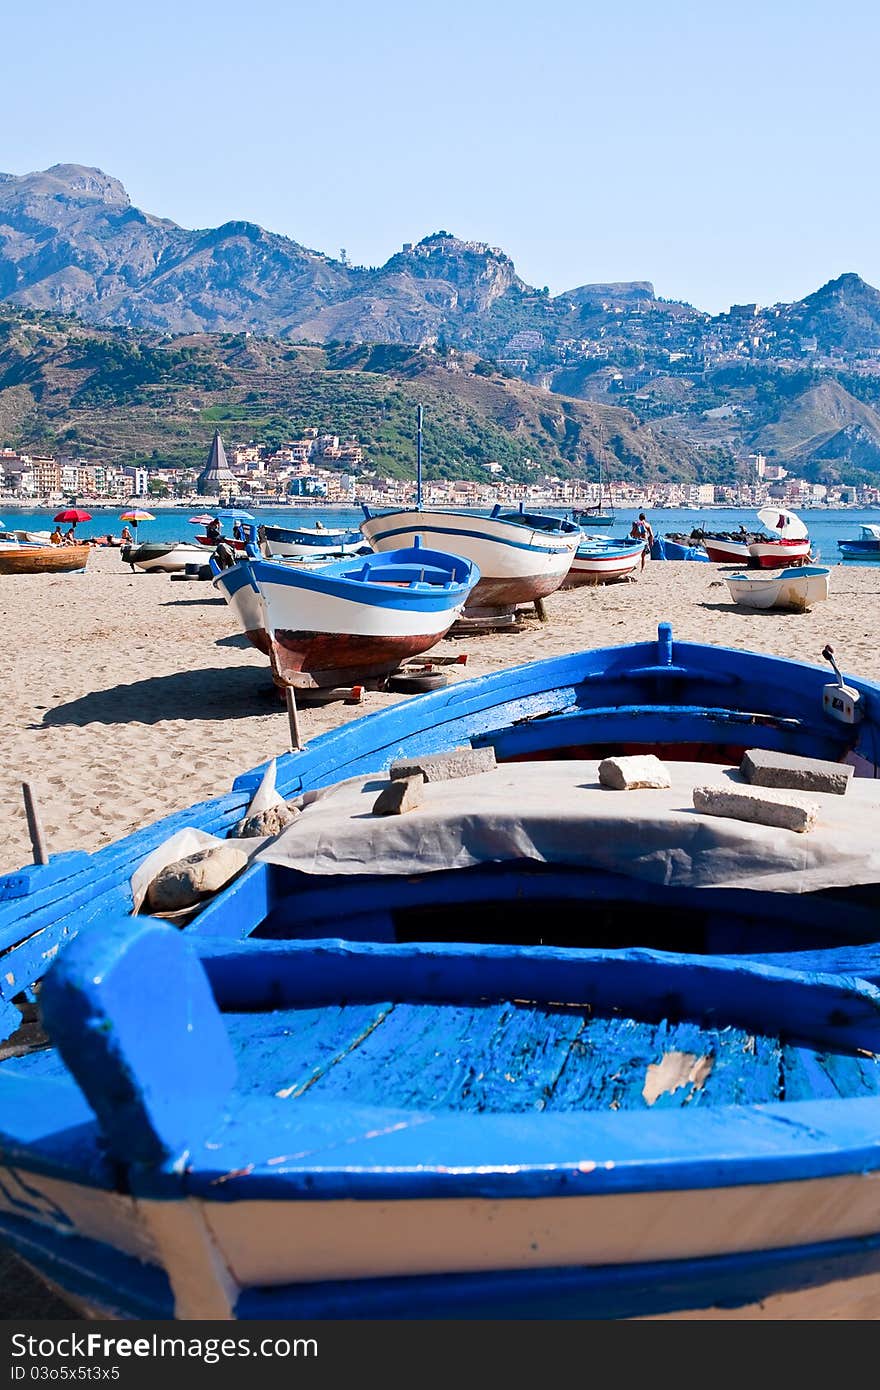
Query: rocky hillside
x=71, y=242
x=125, y=395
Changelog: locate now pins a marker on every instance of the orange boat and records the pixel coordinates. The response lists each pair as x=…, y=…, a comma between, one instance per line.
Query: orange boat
x=44, y=559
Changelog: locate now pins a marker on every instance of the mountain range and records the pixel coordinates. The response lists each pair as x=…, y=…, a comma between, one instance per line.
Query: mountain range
x=793, y=380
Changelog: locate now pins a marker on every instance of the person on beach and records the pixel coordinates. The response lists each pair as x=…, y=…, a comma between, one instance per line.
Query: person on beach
x=214, y=531
x=126, y=537
x=642, y=530
x=56, y=537
x=69, y=536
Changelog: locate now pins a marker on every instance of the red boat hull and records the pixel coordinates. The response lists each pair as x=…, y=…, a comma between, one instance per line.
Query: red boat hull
x=777, y=554
x=727, y=552
x=334, y=658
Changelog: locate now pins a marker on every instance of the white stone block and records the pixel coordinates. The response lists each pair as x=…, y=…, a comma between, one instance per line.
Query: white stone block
x=638, y=770
x=762, y=808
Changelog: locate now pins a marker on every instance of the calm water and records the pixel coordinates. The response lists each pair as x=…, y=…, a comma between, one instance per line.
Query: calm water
x=826, y=527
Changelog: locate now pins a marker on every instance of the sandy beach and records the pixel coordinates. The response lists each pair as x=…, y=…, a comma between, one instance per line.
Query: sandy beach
x=130, y=695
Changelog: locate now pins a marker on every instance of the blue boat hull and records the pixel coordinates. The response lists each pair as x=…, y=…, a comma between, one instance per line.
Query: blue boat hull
x=427, y=1131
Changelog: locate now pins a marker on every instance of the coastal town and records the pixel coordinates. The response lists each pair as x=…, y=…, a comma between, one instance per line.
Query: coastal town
x=317, y=470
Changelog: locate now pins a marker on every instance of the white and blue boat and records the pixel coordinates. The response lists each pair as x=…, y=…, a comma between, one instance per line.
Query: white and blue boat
x=343, y=1130
x=316, y=542
x=521, y=556
x=863, y=546
x=352, y=620
x=794, y=590
x=601, y=560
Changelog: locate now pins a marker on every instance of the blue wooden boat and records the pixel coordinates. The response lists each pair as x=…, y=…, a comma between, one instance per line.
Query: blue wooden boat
x=689, y=703
x=349, y=1131
x=863, y=546
x=350, y=620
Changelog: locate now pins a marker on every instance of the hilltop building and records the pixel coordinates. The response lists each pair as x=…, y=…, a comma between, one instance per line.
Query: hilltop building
x=216, y=478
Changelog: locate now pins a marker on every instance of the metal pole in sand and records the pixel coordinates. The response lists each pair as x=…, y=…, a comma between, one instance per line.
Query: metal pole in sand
x=35, y=825
x=293, y=719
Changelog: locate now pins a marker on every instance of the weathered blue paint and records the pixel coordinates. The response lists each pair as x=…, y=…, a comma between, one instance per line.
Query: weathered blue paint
x=369, y=1072
x=132, y=1017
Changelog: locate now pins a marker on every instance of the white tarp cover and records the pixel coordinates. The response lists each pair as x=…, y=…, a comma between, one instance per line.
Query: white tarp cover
x=556, y=812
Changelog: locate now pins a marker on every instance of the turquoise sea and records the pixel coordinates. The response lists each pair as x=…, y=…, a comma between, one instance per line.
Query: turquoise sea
x=826, y=526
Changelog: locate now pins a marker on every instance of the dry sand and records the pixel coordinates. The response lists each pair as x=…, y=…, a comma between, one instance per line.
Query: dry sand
x=130, y=695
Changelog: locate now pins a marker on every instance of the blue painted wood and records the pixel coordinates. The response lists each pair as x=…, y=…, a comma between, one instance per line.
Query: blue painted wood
x=129, y=1009
x=33, y=877
x=831, y=1011
x=119, y=1285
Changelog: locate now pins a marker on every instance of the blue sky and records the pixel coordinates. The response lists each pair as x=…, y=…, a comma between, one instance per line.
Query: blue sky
x=725, y=151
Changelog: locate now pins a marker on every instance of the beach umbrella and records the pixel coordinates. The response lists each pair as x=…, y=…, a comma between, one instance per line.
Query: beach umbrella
x=135, y=515
x=204, y=519
x=783, y=523
x=73, y=515
x=233, y=514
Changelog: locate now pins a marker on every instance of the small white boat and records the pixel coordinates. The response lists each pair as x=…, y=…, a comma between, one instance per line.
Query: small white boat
x=795, y=589
x=169, y=557
x=789, y=541
x=316, y=542
x=601, y=561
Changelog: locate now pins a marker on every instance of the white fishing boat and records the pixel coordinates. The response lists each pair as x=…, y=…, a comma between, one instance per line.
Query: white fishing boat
x=316, y=542
x=168, y=557
x=795, y=589
x=522, y=556
x=350, y=620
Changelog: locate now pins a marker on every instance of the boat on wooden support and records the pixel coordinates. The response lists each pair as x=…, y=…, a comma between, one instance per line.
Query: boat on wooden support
x=522, y=556
x=342, y=1130
x=349, y=621
x=165, y=557
x=795, y=590
x=789, y=543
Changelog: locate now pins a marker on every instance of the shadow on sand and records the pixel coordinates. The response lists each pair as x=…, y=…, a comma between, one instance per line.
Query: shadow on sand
x=214, y=693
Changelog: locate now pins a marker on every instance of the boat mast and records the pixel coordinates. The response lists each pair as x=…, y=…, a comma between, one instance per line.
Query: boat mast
x=419, y=458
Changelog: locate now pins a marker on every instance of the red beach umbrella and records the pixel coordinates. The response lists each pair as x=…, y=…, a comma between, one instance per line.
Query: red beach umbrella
x=73, y=515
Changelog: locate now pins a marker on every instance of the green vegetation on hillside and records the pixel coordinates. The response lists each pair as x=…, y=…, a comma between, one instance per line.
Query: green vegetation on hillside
x=133, y=397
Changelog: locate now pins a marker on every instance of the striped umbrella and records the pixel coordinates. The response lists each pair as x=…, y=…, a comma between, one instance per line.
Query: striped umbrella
x=135, y=515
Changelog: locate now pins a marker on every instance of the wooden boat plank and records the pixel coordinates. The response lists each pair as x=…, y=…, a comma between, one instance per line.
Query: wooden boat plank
x=812, y=1076
x=290, y=1051
x=418, y=1059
